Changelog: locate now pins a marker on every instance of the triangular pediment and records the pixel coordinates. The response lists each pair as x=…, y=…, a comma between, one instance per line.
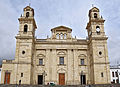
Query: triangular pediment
x=94, y=9
x=61, y=28
x=28, y=8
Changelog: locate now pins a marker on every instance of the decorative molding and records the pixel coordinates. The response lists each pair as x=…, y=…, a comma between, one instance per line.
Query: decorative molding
x=82, y=55
x=40, y=56
x=61, y=53
x=61, y=70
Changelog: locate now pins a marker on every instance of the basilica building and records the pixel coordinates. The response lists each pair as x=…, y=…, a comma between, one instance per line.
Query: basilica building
x=59, y=59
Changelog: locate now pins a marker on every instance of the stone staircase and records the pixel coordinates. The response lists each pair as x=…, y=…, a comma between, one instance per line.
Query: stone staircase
x=103, y=85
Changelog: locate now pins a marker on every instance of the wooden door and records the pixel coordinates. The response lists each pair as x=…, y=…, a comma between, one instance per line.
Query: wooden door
x=61, y=79
x=7, y=78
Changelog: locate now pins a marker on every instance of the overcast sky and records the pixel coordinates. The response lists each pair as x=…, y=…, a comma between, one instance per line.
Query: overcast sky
x=52, y=13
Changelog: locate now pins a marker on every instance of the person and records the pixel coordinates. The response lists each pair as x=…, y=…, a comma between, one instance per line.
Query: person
x=19, y=82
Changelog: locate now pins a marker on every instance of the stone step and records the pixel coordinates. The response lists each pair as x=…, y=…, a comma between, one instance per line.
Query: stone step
x=110, y=85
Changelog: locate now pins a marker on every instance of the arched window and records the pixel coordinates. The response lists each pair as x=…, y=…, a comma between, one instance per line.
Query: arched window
x=98, y=29
x=25, y=28
x=57, y=36
x=65, y=36
x=95, y=15
x=27, y=14
x=61, y=36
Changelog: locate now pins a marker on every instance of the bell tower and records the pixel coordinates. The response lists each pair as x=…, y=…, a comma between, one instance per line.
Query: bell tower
x=95, y=26
x=98, y=51
x=25, y=46
x=27, y=23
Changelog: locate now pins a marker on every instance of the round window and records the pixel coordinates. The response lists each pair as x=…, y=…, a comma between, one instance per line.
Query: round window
x=100, y=53
x=23, y=52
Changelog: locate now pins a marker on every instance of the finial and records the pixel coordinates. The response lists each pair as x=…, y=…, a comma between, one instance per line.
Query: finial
x=21, y=15
x=75, y=37
x=92, y=5
x=47, y=36
x=29, y=4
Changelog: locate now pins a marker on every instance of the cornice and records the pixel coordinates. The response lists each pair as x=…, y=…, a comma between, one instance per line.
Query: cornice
x=80, y=42
x=28, y=19
x=101, y=63
x=24, y=37
x=94, y=20
x=99, y=38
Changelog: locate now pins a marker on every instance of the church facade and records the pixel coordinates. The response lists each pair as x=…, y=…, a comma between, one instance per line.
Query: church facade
x=60, y=59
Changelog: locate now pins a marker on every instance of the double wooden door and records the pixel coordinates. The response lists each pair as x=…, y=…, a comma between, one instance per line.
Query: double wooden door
x=7, y=78
x=61, y=79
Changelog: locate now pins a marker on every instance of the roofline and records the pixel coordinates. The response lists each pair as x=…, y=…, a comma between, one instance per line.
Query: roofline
x=61, y=27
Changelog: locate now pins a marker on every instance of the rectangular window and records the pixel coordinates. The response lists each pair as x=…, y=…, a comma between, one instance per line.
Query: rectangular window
x=40, y=61
x=61, y=60
x=102, y=74
x=112, y=74
x=113, y=80
x=82, y=61
x=117, y=81
x=116, y=74
x=21, y=74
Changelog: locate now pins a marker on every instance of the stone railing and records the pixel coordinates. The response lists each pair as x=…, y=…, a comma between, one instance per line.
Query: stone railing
x=7, y=61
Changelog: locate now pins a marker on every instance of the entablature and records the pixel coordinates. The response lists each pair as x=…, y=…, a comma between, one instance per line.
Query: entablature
x=70, y=42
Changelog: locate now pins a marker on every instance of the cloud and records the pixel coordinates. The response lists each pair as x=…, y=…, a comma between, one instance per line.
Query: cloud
x=8, y=24
x=111, y=11
x=51, y=13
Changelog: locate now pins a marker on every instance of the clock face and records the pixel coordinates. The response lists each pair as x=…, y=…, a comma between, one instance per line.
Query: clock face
x=98, y=29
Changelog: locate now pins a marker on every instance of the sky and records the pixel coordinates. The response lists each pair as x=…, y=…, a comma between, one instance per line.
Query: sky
x=52, y=13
